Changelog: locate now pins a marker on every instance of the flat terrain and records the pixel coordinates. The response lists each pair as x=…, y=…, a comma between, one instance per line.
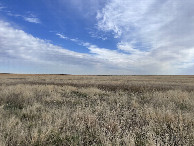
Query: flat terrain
x=96, y=110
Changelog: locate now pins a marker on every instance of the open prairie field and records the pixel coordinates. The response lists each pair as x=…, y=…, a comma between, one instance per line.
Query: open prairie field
x=96, y=110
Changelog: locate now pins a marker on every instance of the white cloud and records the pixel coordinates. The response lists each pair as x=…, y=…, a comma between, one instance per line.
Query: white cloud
x=19, y=50
x=23, y=53
x=32, y=19
x=160, y=33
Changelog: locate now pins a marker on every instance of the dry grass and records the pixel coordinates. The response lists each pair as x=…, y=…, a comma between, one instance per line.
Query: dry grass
x=96, y=110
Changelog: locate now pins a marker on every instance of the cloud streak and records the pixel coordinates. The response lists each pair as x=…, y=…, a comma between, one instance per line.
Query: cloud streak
x=32, y=19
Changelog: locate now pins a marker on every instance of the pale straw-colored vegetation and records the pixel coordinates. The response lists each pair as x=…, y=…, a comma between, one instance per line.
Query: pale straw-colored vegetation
x=96, y=110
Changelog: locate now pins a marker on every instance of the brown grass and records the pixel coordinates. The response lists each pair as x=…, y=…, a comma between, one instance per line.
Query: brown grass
x=96, y=110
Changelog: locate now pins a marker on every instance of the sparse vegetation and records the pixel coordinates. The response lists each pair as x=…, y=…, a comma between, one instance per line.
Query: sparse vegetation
x=38, y=110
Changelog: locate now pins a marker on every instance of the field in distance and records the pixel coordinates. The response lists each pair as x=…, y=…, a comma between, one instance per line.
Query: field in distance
x=96, y=110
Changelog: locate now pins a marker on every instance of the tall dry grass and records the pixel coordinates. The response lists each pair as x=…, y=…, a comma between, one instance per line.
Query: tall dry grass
x=96, y=110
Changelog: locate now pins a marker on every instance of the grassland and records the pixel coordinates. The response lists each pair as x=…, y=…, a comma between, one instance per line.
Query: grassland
x=96, y=110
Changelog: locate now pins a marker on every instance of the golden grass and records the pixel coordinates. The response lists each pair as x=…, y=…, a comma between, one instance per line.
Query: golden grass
x=96, y=110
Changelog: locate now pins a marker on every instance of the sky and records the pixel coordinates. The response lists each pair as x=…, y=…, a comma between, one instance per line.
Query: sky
x=94, y=37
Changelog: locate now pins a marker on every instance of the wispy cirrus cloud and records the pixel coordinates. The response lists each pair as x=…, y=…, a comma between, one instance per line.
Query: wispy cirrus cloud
x=75, y=40
x=86, y=8
x=29, y=16
x=156, y=32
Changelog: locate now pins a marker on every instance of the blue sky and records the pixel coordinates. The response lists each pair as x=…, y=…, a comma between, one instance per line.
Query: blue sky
x=97, y=37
